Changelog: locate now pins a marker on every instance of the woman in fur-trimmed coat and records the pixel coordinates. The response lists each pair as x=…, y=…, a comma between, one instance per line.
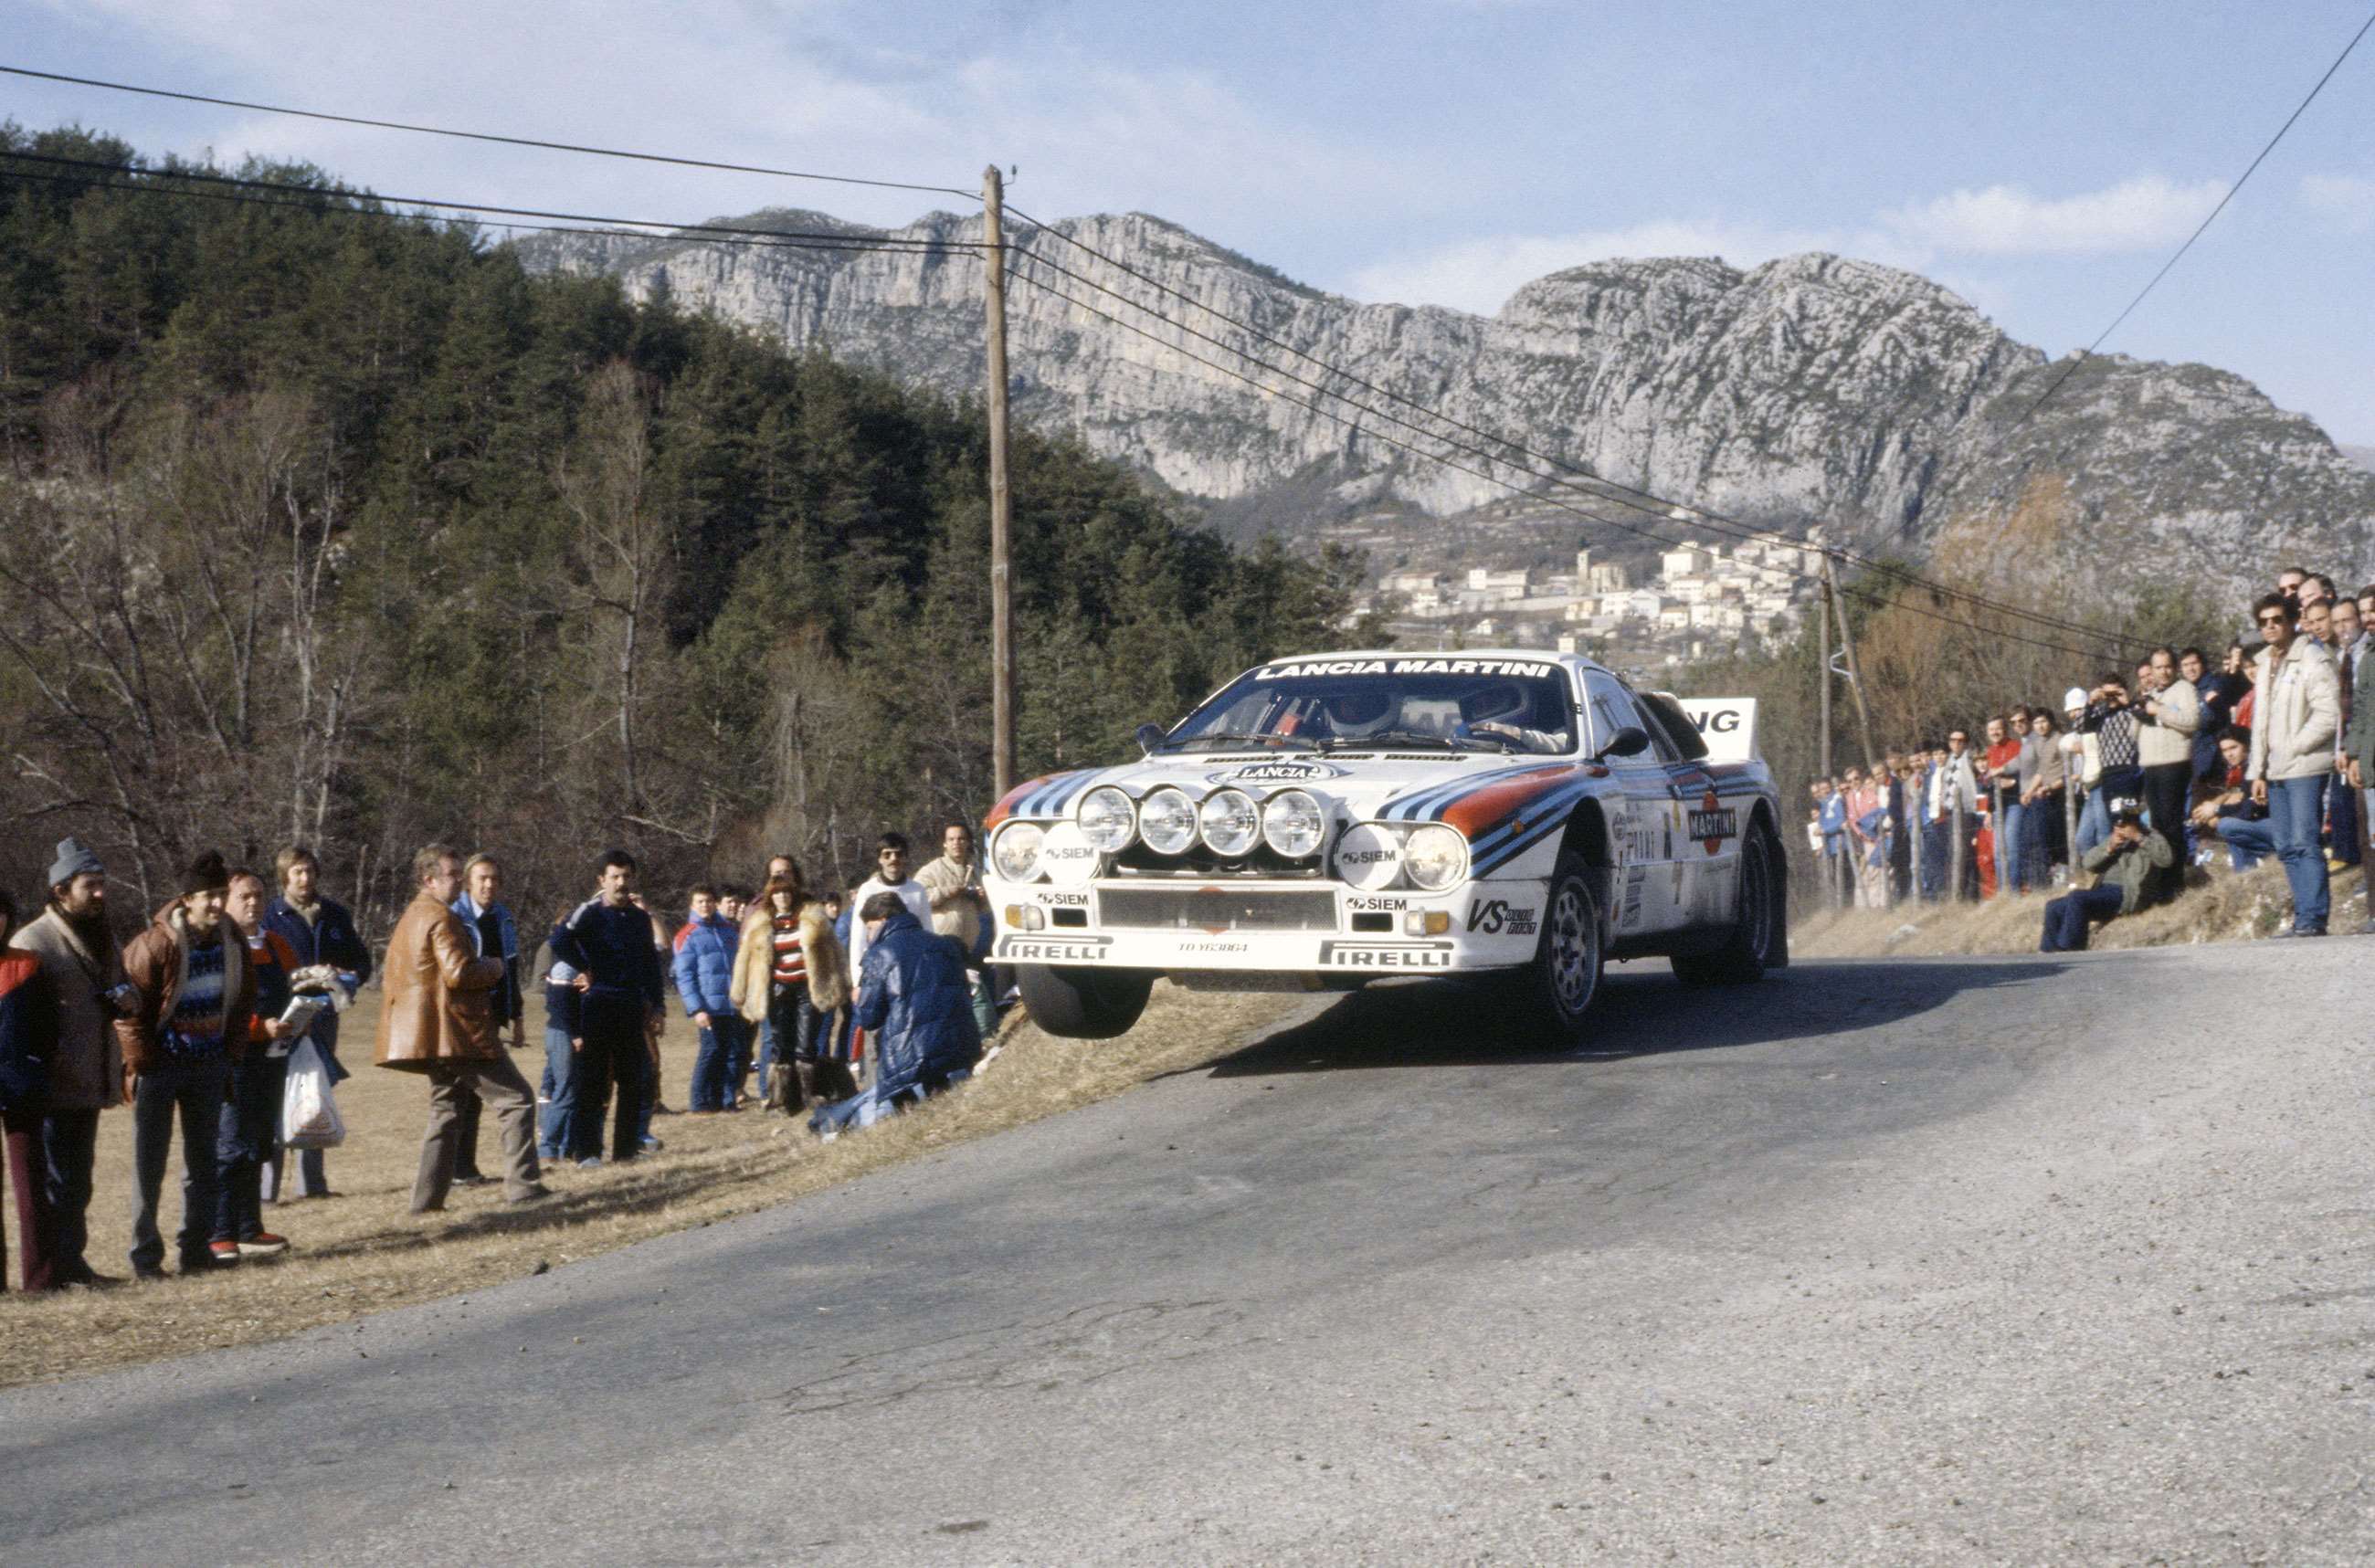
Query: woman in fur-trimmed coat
x=790, y=976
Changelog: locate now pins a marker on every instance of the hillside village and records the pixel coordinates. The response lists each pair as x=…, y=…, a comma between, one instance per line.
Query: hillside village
x=1687, y=602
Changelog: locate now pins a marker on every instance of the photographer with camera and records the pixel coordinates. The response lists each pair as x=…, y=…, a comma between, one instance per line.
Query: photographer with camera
x=2127, y=867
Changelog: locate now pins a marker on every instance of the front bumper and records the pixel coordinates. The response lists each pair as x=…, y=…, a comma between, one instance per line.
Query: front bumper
x=1303, y=926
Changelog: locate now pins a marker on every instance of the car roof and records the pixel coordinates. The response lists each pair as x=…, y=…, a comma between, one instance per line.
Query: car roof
x=1528, y=655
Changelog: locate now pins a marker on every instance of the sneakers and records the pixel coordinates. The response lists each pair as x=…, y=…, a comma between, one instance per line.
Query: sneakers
x=535, y=1193
x=263, y=1244
x=2297, y=931
x=222, y=1254
x=591, y=1163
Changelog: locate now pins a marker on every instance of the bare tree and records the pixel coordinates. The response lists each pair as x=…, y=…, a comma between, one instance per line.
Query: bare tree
x=621, y=545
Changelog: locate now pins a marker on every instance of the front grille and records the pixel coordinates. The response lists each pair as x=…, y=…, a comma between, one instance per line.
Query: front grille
x=1217, y=909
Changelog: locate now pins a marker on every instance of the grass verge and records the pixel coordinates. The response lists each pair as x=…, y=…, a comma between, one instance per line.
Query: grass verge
x=363, y=1252
x=2226, y=906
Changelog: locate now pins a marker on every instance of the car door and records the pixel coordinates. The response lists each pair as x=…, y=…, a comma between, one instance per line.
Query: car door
x=1646, y=894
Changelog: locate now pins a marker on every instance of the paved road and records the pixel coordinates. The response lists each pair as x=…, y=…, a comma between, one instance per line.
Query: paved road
x=1982, y=1260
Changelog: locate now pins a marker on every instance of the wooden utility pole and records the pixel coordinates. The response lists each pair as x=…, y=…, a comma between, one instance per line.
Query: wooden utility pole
x=1855, y=672
x=1822, y=625
x=1001, y=506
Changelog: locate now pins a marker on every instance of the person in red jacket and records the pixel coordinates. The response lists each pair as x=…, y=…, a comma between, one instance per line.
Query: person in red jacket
x=250, y=1123
x=28, y=1032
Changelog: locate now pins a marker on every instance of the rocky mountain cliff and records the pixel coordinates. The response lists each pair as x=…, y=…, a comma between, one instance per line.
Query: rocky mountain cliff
x=1812, y=389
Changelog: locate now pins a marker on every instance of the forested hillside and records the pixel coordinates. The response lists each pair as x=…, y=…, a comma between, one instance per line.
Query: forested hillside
x=327, y=525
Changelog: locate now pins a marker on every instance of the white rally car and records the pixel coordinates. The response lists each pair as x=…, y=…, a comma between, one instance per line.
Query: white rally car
x=1330, y=820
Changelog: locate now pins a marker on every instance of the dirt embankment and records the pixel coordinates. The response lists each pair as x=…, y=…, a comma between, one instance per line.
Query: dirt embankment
x=2220, y=906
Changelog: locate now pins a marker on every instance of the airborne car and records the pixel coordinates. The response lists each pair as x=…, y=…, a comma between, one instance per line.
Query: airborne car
x=1333, y=818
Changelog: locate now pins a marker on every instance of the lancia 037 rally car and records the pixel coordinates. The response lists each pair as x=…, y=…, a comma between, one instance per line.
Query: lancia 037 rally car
x=1325, y=821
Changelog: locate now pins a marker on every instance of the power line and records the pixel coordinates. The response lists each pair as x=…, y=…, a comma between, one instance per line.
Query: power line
x=1652, y=504
x=393, y=215
x=485, y=135
x=1032, y=258
x=2070, y=367
x=1717, y=521
x=669, y=230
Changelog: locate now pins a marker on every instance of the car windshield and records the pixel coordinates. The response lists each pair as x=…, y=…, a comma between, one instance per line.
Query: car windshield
x=1428, y=703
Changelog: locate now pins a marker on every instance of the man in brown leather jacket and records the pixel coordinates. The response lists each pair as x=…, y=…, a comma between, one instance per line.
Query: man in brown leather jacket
x=439, y=1020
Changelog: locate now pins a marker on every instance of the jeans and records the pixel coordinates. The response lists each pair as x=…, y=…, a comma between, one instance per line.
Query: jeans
x=2094, y=823
x=2248, y=840
x=2293, y=817
x=557, y=1135
x=245, y=1130
x=2012, y=865
x=717, y=1062
x=69, y=1151
x=2066, y=918
x=191, y=1089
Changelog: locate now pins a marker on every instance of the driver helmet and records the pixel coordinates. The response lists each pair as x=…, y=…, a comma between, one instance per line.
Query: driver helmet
x=1359, y=712
x=1507, y=703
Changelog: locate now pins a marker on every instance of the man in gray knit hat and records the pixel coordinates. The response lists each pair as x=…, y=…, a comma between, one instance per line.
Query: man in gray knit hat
x=79, y=954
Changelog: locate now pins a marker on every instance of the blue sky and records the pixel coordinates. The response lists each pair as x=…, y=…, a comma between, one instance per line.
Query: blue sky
x=2040, y=158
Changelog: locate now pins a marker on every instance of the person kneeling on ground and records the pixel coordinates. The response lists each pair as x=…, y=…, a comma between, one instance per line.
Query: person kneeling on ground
x=2127, y=867
x=915, y=1007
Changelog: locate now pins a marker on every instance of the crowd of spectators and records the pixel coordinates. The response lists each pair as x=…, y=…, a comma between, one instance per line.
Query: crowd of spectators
x=844, y=1008
x=2111, y=798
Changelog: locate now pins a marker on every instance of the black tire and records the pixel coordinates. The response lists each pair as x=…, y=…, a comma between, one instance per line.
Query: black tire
x=1757, y=943
x=1551, y=996
x=1083, y=1004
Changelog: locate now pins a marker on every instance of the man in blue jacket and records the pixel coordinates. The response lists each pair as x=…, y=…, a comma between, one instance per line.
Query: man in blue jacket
x=608, y=940
x=915, y=1005
x=493, y=934
x=704, y=982
x=319, y=931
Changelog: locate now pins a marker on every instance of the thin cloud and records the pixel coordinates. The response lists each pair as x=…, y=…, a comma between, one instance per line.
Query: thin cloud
x=1999, y=222
x=2344, y=198
x=2005, y=220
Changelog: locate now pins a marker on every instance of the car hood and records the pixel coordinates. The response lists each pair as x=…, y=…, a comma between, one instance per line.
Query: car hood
x=1361, y=783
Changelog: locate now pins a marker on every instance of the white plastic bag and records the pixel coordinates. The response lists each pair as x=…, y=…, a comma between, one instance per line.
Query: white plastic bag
x=308, y=1115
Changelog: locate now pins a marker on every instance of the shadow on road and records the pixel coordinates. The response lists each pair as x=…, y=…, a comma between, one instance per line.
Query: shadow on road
x=1641, y=1013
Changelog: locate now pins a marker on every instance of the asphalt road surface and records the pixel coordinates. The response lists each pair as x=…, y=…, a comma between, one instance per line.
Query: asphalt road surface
x=1947, y=1261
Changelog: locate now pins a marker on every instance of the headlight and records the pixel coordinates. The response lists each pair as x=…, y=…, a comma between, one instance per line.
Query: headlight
x=1166, y=821
x=1106, y=820
x=1230, y=822
x=1015, y=850
x=1293, y=823
x=1067, y=859
x=1434, y=857
x=1369, y=857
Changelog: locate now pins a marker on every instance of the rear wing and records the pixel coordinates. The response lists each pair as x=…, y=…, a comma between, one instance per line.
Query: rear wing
x=1728, y=725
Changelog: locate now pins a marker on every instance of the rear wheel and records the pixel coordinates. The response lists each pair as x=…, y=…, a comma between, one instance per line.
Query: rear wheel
x=1083, y=1004
x=1551, y=995
x=1754, y=945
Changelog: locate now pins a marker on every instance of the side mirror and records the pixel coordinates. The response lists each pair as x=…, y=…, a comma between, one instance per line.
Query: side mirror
x=1630, y=742
x=1149, y=738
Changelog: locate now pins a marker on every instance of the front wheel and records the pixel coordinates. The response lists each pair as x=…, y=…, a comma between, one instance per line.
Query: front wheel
x=1755, y=944
x=1082, y=1003
x=1551, y=995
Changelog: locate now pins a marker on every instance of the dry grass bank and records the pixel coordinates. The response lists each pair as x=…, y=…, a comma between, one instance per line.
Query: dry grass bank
x=2226, y=907
x=363, y=1252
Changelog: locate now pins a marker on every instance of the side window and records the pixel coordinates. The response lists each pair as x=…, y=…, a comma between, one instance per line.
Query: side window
x=1611, y=706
